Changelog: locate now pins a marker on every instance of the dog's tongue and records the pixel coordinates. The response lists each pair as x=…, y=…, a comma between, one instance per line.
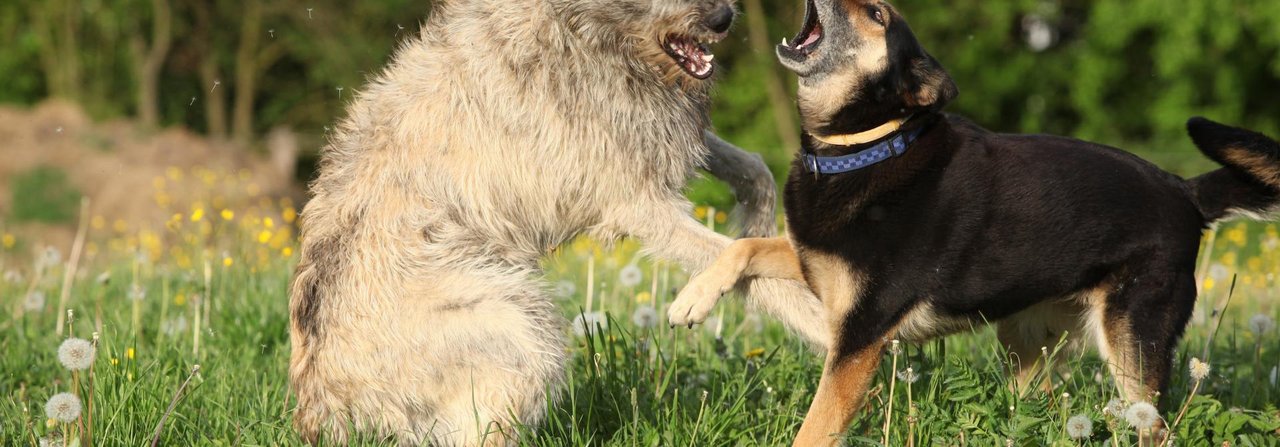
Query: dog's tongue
x=812, y=37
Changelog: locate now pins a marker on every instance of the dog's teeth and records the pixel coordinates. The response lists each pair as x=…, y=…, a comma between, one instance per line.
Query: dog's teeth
x=708, y=57
x=784, y=42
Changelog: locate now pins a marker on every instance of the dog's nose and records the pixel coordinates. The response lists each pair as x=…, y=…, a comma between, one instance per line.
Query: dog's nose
x=720, y=19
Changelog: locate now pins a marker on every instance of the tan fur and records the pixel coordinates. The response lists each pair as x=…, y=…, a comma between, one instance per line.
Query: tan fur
x=418, y=309
x=1257, y=164
x=841, y=392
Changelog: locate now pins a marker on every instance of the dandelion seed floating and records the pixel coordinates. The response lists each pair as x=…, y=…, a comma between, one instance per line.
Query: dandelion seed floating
x=216, y=83
x=64, y=407
x=1141, y=415
x=309, y=13
x=1079, y=427
x=76, y=354
x=272, y=32
x=1199, y=369
x=630, y=276
x=193, y=102
x=339, y=92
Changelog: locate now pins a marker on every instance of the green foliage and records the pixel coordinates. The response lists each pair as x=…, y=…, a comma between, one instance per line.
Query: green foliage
x=44, y=194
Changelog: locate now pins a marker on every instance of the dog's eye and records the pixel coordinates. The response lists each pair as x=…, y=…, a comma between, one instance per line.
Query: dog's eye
x=876, y=14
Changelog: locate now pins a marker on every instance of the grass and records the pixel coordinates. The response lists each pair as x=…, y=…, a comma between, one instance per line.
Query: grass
x=215, y=296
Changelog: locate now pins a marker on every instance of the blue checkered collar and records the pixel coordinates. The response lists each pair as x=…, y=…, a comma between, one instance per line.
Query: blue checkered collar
x=889, y=146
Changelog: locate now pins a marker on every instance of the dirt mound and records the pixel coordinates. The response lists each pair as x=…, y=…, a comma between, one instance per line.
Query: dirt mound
x=136, y=177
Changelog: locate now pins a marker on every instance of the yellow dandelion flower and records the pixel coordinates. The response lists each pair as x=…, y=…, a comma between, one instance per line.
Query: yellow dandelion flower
x=8, y=240
x=226, y=261
x=179, y=299
x=174, y=173
x=115, y=361
x=1208, y=284
x=286, y=252
x=1254, y=263
x=267, y=222
x=289, y=214
x=721, y=217
x=50, y=423
x=129, y=353
x=98, y=222
x=1236, y=235
x=1229, y=258
x=643, y=297
x=197, y=214
x=700, y=212
x=264, y=237
x=757, y=352
x=228, y=214
x=120, y=226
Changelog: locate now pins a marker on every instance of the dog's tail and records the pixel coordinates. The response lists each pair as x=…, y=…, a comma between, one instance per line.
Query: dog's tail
x=1249, y=182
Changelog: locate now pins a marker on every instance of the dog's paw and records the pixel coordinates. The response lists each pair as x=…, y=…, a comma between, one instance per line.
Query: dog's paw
x=695, y=301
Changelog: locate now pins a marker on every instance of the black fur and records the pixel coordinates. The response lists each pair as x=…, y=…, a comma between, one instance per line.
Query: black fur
x=981, y=225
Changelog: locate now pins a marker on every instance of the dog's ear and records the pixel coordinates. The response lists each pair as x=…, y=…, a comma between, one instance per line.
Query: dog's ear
x=928, y=86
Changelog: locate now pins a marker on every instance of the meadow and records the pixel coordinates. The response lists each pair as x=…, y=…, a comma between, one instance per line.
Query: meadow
x=185, y=342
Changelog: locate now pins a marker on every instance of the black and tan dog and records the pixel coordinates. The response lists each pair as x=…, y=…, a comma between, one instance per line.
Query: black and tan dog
x=910, y=223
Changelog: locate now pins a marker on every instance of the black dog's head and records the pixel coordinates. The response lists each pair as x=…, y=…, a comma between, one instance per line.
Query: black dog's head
x=860, y=66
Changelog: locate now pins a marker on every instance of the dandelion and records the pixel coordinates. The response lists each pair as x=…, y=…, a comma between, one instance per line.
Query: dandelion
x=643, y=298
x=1114, y=407
x=1261, y=324
x=8, y=241
x=630, y=276
x=137, y=293
x=908, y=375
x=1141, y=415
x=103, y=278
x=228, y=214
x=565, y=289
x=1199, y=369
x=587, y=323
x=1079, y=427
x=64, y=407
x=34, y=302
x=895, y=347
x=645, y=317
x=1218, y=272
x=76, y=354
x=174, y=326
x=51, y=257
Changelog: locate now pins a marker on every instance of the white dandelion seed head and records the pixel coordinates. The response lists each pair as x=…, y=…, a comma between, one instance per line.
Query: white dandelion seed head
x=1199, y=370
x=51, y=256
x=12, y=276
x=76, y=354
x=1219, y=272
x=174, y=326
x=1261, y=324
x=908, y=375
x=1114, y=408
x=1079, y=427
x=64, y=407
x=587, y=323
x=565, y=289
x=895, y=347
x=645, y=317
x=137, y=293
x=1141, y=415
x=630, y=276
x=34, y=301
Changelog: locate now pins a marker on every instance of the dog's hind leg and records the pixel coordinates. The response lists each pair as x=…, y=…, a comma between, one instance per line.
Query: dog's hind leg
x=1137, y=326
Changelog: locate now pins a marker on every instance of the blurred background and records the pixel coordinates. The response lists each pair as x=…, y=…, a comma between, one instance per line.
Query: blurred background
x=147, y=104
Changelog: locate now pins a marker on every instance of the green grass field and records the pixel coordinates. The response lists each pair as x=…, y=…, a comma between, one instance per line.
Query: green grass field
x=210, y=290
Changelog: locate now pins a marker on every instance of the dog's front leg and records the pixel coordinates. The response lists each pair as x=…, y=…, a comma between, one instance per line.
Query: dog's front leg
x=668, y=232
x=745, y=258
x=752, y=184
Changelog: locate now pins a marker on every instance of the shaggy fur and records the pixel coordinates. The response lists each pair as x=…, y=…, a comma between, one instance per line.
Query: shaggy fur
x=508, y=127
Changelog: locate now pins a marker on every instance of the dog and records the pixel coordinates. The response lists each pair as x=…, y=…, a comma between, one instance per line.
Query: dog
x=909, y=223
x=418, y=311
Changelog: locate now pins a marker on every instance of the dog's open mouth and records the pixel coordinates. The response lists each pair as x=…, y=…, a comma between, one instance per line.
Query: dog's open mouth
x=810, y=36
x=692, y=56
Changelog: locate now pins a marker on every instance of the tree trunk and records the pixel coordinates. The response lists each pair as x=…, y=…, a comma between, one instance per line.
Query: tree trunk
x=246, y=73
x=782, y=106
x=150, y=62
x=215, y=103
x=55, y=23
